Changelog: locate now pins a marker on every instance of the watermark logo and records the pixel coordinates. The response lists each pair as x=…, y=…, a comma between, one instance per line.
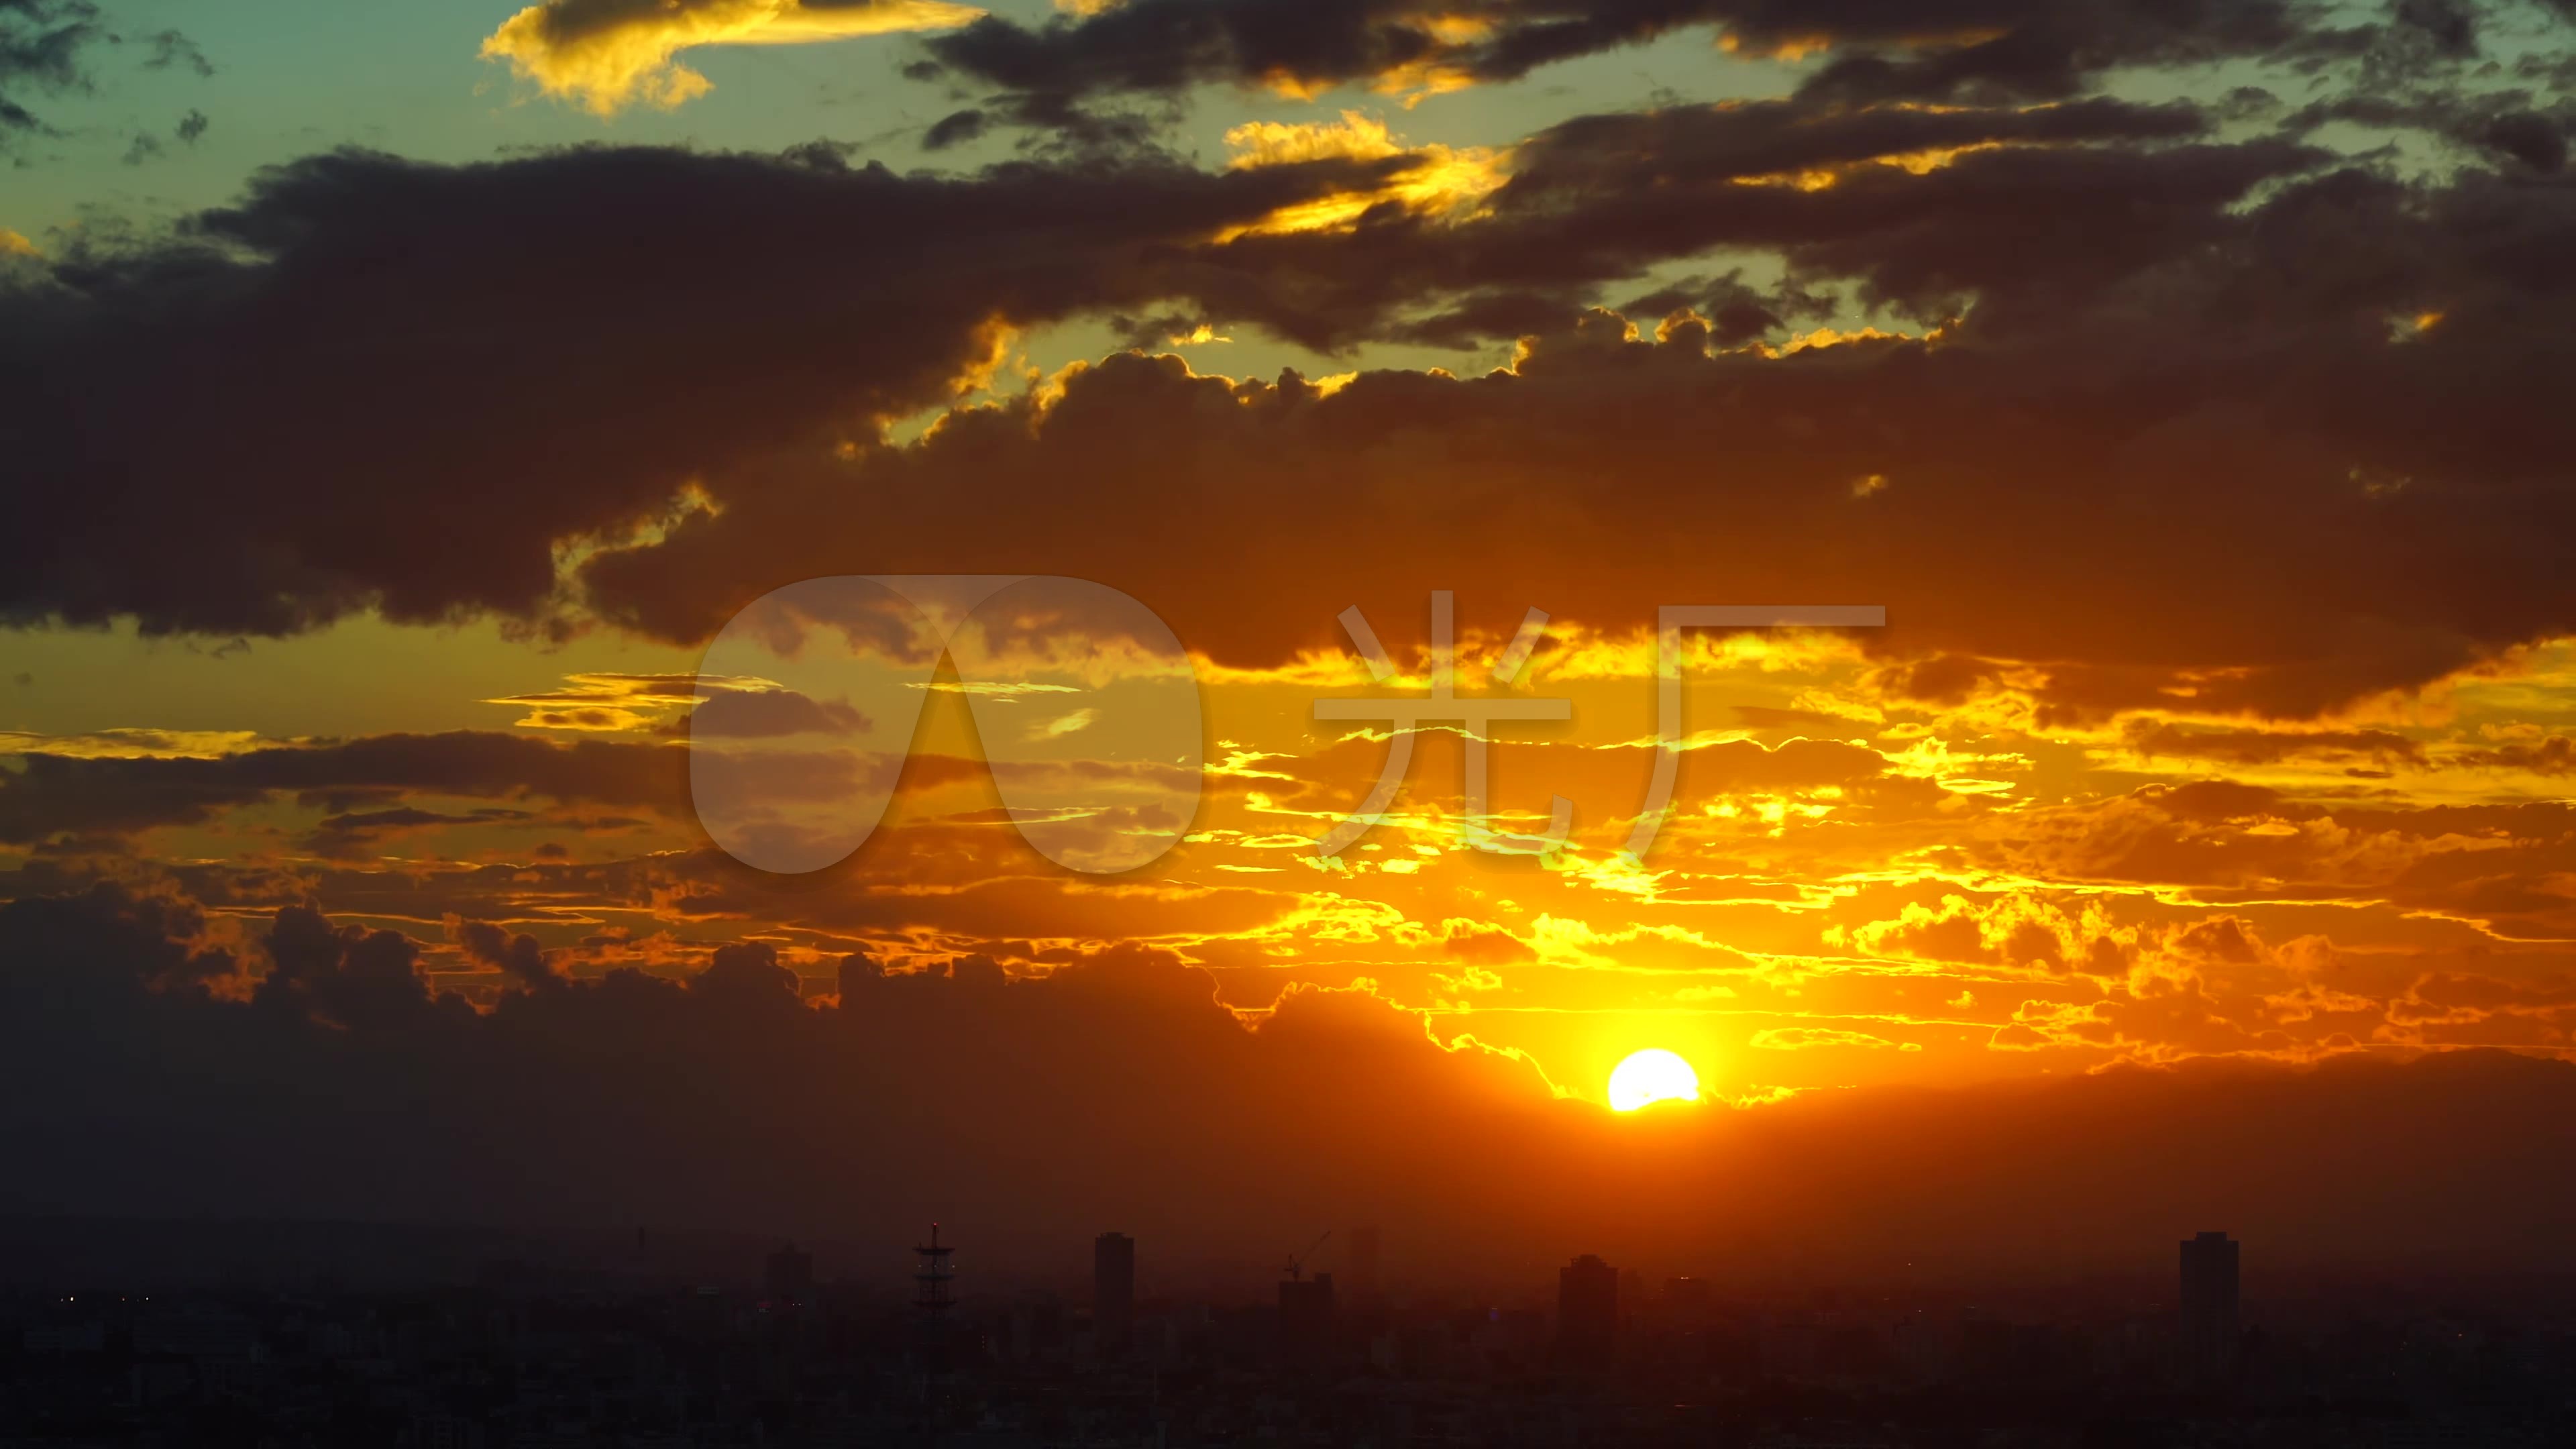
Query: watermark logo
x=1085, y=711
x=1084, y=707
x=1405, y=717
x=1670, y=621
x=1474, y=717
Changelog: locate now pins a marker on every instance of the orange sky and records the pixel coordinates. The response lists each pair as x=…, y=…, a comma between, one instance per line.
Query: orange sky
x=1855, y=886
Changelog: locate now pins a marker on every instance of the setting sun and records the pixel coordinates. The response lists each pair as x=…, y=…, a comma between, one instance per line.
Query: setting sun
x=1653, y=1075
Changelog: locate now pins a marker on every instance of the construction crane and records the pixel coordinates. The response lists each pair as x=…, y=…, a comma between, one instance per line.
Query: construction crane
x=1297, y=1264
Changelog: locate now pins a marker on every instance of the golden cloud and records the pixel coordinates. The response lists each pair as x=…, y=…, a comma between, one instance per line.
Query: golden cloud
x=605, y=55
x=1443, y=181
x=136, y=744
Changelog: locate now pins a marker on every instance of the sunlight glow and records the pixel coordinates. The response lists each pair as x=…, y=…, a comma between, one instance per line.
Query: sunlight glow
x=1652, y=1075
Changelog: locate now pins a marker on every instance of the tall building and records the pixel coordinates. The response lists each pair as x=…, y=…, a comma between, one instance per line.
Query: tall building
x=1587, y=1311
x=791, y=1276
x=1363, y=1266
x=933, y=1294
x=2209, y=1331
x=1113, y=1288
x=1306, y=1323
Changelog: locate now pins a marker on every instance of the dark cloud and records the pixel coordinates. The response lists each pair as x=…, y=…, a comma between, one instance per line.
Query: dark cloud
x=2272, y=747
x=2053, y=52
x=1602, y=196
x=519, y=956
x=172, y=49
x=2537, y=141
x=364, y=834
x=955, y=129
x=2044, y=495
x=2554, y=755
x=2135, y=349
x=2501, y=125
x=1953, y=49
x=761, y=713
x=212, y=422
x=1602, y=200
x=52, y=795
x=43, y=44
x=47, y=46
x=1737, y=312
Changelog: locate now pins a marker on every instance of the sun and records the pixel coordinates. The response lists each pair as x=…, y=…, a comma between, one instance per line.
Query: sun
x=1652, y=1075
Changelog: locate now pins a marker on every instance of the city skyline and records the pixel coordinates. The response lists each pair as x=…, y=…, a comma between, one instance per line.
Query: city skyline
x=533, y=1350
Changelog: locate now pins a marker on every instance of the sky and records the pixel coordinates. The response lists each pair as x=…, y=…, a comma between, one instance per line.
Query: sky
x=412, y=415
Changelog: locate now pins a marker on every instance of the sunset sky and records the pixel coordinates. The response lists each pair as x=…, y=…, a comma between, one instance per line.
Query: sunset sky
x=396, y=401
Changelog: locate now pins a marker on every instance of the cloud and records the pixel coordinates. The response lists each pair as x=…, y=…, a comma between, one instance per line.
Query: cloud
x=1983, y=50
x=95, y=792
x=172, y=49
x=955, y=129
x=2013, y=929
x=2553, y=755
x=501, y=328
x=49, y=46
x=2222, y=841
x=43, y=46
x=508, y=303
x=1982, y=441
x=2271, y=747
x=518, y=956
x=704, y=706
x=1064, y=724
x=605, y=55
x=766, y=713
x=1432, y=181
x=132, y=743
x=1484, y=945
x=366, y=834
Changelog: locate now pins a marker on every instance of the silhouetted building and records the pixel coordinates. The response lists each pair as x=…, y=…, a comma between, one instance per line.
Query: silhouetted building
x=791, y=1276
x=1306, y=1323
x=1113, y=1288
x=933, y=1292
x=1587, y=1311
x=2209, y=1331
x=1363, y=1253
